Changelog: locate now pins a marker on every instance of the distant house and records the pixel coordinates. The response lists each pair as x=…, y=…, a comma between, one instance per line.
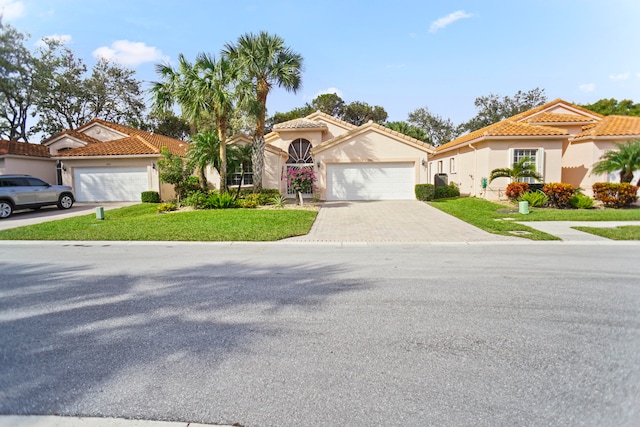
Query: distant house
x=105, y=161
x=29, y=159
x=563, y=140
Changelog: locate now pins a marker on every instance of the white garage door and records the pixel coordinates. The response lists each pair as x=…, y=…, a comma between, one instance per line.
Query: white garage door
x=110, y=184
x=370, y=181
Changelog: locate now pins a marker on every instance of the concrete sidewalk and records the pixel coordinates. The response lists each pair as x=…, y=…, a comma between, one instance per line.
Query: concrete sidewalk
x=56, y=421
x=564, y=230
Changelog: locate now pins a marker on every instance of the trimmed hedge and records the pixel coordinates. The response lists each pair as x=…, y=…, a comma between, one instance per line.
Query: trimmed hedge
x=447, y=192
x=150, y=197
x=424, y=192
x=615, y=195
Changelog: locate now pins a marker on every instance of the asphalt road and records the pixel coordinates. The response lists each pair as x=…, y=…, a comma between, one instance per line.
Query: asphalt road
x=290, y=335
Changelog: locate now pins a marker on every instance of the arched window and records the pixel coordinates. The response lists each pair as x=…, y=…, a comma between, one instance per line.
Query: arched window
x=300, y=152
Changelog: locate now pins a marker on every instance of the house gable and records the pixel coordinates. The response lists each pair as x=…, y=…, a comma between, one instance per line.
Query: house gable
x=98, y=129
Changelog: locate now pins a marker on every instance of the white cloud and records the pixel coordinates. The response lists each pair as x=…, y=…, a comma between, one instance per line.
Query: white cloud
x=10, y=9
x=329, y=90
x=587, y=87
x=623, y=76
x=129, y=53
x=449, y=19
x=60, y=38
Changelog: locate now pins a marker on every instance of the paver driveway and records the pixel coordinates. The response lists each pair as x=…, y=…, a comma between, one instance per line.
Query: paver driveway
x=391, y=221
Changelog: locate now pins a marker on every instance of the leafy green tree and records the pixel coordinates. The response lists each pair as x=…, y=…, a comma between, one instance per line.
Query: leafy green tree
x=523, y=168
x=493, y=108
x=67, y=97
x=328, y=103
x=264, y=61
x=625, y=107
x=203, y=89
x=204, y=150
x=174, y=170
x=407, y=129
x=278, y=117
x=359, y=113
x=438, y=130
x=626, y=159
x=16, y=88
x=167, y=124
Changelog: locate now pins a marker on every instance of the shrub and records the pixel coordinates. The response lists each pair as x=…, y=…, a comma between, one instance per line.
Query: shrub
x=251, y=201
x=167, y=207
x=190, y=185
x=446, y=192
x=559, y=194
x=424, y=192
x=536, y=186
x=615, y=195
x=536, y=199
x=516, y=189
x=150, y=197
x=278, y=201
x=220, y=201
x=581, y=201
x=196, y=200
x=301, y=179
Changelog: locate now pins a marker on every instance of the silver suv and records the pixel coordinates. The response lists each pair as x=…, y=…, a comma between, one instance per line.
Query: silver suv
x=28, y=192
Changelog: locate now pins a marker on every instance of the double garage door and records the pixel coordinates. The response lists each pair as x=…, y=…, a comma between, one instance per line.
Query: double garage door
x=371, y=181
x=115, y=184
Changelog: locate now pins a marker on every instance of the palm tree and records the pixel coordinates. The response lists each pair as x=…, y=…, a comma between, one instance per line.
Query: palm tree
x=204, y=150
x=523, y=168
x=200, y=89
x=240, y=158
x=625, y=159
x=265, y=61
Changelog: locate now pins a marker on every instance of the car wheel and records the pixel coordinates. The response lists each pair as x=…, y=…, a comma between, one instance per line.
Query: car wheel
x=6, y=209
x=65, y=201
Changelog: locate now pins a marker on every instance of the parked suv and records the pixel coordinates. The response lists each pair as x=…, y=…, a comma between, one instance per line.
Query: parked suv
x=28, y=192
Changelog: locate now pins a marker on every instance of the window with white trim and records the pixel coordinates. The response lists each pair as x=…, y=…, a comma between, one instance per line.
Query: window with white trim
x=440, y=166
x=537, y=158
x=452, y=165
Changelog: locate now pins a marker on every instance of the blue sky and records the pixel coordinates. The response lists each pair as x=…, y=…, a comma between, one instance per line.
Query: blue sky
x=399, y=54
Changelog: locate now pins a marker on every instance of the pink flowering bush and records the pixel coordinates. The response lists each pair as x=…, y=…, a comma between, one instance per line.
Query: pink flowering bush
x=301, y=179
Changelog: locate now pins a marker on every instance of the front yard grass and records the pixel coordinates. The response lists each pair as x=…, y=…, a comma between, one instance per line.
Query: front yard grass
x=143, y=222
x=491, y=216
x=627, y=232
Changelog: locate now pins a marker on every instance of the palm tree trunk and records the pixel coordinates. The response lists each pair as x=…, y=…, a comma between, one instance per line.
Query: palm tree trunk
x=222, y=135
x=258, y=138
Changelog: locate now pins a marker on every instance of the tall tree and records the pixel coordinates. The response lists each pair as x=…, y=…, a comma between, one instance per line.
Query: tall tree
x=407, y=129
x=17, y=65
x=626, y=159
x=265, y=61
x=625, y=107
x=328, y=103
x=359, y=113
x=203, y=89
x=67, y=97
x=439, y=131
x=493, y=108
x=167, y=124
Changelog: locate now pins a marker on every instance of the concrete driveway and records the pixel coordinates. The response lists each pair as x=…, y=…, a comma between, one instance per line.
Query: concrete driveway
x=391, y=221
x=52, y=213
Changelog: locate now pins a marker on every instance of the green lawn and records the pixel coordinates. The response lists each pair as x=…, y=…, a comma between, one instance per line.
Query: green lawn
x=143, y=222
x=627, y=232
x=490, y=216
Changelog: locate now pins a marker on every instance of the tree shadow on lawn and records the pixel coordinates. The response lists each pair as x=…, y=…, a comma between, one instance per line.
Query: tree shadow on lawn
x=76, y=344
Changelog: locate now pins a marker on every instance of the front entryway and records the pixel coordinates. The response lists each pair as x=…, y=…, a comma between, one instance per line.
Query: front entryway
x=371, y=181
x=110, y=184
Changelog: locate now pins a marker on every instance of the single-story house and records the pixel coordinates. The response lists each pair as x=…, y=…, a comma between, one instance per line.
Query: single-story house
x=367, y=162
x=105, y=161
x=29, y=159
x=563, y=139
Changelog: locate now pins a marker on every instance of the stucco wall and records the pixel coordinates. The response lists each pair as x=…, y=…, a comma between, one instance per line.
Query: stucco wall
x=42, y=168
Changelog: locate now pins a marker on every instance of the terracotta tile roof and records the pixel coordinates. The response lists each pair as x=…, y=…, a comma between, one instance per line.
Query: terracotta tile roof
x=555, y=102
x=133, y=145
x=137, y=143
x=23, y=149
x=616, y=126
x=560, y=118
x=302, y=123
x=505, y=127
x=328, y=117
x=74, y=134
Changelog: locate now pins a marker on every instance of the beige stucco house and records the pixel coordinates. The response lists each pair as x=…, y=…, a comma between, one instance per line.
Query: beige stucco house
x=563, y=139
x=368, y=162
x=29, y=159
x=104, y=161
